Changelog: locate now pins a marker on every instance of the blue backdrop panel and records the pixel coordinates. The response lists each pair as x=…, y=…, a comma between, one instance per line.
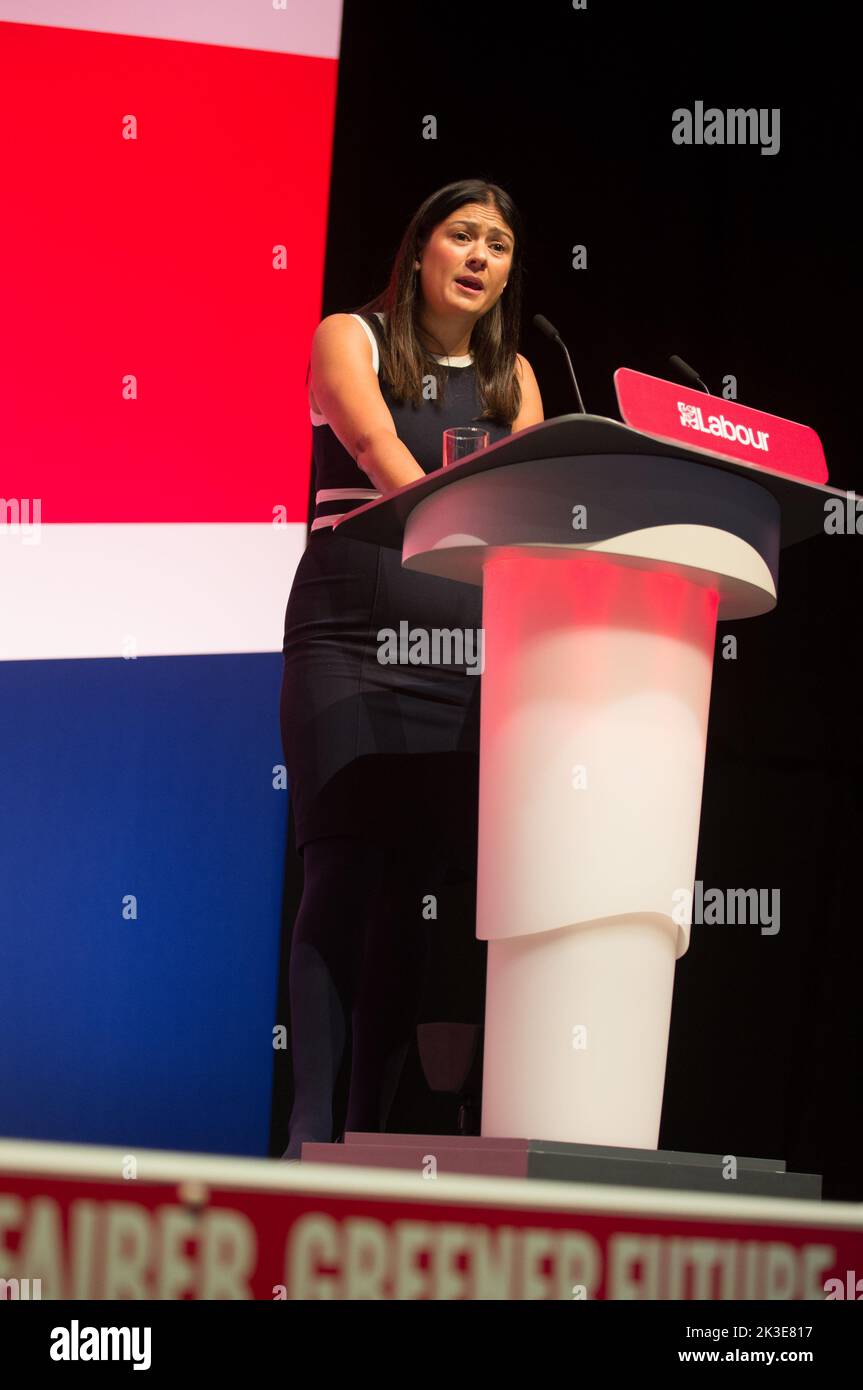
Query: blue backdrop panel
x=153, y=778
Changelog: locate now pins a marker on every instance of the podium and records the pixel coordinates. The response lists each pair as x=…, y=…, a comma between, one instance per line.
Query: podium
x=606, y=558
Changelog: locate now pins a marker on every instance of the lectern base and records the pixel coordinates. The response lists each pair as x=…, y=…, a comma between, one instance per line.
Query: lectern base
x=429, y=1154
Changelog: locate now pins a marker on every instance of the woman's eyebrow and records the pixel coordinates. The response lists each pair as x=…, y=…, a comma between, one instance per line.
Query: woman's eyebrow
x=493, y=231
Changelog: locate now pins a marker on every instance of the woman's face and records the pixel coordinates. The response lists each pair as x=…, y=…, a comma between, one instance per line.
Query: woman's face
x=473, y=242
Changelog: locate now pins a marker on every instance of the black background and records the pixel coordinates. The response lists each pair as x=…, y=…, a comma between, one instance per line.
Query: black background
x=742, y=263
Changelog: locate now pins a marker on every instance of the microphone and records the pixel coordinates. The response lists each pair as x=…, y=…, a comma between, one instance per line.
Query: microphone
x=686, y=371
x=551, y=332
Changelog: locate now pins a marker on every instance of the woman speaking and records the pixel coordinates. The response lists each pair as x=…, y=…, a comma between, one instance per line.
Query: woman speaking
x=383, y=758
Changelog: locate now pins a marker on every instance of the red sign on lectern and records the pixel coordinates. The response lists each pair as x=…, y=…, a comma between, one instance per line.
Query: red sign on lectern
x=713, y=425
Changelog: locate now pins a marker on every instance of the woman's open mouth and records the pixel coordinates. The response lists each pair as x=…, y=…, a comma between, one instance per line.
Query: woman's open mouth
x=468, y=288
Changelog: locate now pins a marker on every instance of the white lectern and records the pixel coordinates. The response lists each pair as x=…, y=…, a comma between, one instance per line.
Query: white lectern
x=606, y=558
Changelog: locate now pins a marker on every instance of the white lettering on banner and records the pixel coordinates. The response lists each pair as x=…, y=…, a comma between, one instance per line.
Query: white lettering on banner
x=120, y=1250
x=691, y=416
x=366, y=1259
x=113, y=1250
x=361, y=1258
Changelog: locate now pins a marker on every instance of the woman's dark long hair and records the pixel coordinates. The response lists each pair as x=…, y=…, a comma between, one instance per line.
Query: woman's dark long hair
x=495, y=336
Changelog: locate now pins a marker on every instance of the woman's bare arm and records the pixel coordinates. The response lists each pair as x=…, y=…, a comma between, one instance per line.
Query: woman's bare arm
x=346, y=388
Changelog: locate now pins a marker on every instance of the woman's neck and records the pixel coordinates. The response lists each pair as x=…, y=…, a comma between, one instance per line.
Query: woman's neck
x=445, y=336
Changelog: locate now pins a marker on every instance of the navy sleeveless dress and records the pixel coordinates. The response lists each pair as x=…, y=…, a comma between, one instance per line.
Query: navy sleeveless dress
x=385, y=752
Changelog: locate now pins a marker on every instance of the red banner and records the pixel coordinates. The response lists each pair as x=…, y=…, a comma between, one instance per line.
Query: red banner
x=454, y=1238
x=713, y=425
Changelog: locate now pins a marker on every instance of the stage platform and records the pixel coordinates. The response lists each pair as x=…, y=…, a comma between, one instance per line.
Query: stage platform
x=90, y=1222
x=666, y=1169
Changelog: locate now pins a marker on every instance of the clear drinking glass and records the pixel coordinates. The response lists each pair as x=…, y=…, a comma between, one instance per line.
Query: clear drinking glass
x=462, y=440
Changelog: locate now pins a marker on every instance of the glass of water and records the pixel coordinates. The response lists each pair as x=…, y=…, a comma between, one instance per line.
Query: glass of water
x=461, y=441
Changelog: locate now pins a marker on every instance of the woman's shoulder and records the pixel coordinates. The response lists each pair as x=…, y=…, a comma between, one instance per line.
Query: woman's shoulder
x=345, y=322
x=337, y=339
x=343, y=327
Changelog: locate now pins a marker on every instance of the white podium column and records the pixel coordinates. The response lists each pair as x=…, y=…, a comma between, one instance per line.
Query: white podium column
x=595, y=700
x=596, y=681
